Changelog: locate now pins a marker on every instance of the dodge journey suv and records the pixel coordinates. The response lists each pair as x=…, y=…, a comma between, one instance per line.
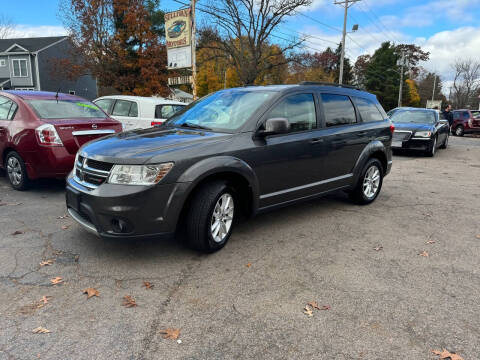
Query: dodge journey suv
x=243, y=150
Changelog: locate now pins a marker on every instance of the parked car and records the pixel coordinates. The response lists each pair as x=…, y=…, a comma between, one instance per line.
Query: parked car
x=136, y=112
x=419, y=129
x=40, y=133
x=239, y=150
x=465, y=122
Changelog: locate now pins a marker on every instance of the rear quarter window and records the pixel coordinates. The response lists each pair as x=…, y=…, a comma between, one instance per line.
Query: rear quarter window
x=368, y=110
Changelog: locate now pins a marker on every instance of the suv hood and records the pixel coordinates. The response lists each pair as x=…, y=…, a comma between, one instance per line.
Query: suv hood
x=139, y=146
x=413, y=126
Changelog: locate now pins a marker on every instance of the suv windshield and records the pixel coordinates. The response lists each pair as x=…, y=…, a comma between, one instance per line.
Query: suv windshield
x=61, y=109
x=223, y=111
x=413, y=116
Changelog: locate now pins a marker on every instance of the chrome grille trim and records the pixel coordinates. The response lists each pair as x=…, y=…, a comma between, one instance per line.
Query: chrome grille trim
x=87, y=175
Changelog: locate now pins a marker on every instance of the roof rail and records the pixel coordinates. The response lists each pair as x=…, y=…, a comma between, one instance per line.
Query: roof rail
x=329, y=84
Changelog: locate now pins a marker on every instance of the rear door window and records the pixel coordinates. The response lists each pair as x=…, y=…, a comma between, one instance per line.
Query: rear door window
x=368, y=110
x=105, y=104
x=299, y=110
x=167, y=111
x=5, y=105
x=122, y=108
x=338, y=109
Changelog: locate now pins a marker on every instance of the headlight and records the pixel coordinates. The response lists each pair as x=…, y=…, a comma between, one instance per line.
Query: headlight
x=139, y=174
x=425, y=134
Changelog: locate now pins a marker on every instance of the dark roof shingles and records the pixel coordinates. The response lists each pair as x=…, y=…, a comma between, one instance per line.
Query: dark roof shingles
x=31, y=44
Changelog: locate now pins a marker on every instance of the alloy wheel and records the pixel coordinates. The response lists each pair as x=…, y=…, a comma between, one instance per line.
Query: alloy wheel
x=14, y=171
x=222, y=217
x=371, y=182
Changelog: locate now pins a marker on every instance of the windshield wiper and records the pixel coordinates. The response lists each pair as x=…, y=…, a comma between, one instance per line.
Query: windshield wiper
x=194, y=126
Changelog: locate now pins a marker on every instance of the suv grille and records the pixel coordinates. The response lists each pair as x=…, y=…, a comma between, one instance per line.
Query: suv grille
x=91, y=173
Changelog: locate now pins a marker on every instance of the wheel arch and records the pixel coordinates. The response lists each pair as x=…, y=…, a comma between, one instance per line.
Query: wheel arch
x=375, y=149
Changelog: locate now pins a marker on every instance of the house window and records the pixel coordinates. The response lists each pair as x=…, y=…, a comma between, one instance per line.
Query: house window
x=3, y=63
x=19, y=67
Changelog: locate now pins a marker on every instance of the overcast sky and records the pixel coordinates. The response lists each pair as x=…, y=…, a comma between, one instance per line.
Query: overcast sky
x=446, y=28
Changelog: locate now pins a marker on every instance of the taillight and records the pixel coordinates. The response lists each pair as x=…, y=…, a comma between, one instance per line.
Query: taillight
x=156, y=123
x=470, y=122
x=48, y=136
x=392, y=128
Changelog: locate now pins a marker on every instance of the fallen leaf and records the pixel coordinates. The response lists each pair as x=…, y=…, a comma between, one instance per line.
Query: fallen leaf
x=170, y=333
x=308, y=311
x=447, y=355
x=378, y=248
x=65, y=227
x=91, y=292
x=40, y=330
x=478, y=236
x=44, y=299
x=325, y=307
x=424, y=253
x=62, y=217
x=47, y=262
x=129, y=301
x=148, y=285
x=248, y=265
x=18, y=232
x=314, y=305
x=56, y=280
x=430, y=242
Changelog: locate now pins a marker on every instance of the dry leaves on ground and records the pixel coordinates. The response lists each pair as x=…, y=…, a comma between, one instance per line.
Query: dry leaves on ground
x=40, y=330
x=10, y=204
x=248, y=265
x=18, y=232
x=44, y=300
x=65, y=227
x=430, y=242
x=307, y=310
x=378, y=248
x=91, y=292
x=129, y=301
x=56, y=280
x=478, y=236
x=148, y=285
x=47, y=262
x=170, y=333
x=447, y=355
x=423, y=253
x=62, y=217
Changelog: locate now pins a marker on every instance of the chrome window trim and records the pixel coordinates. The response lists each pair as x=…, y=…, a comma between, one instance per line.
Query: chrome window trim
x=326, y=181
x=93, y=132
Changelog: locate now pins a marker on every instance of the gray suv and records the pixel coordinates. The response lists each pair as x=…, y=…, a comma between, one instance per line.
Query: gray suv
x=243, y=150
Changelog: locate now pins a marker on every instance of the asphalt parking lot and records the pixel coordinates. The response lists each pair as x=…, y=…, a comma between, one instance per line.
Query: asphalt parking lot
x=383, y=299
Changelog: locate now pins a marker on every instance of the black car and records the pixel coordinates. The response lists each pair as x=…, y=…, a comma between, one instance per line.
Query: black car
x=419, y=129
x=243, y=150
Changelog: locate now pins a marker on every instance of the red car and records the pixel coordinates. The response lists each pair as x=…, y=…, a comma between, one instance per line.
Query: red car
x=465, y=122
x=40, y=133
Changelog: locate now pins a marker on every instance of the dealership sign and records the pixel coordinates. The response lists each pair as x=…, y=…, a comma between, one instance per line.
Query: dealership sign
x=178, y=34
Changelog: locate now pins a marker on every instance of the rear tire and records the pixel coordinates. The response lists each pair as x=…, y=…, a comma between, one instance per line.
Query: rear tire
x=16, y=171
x=210, y=217
x=369, y=183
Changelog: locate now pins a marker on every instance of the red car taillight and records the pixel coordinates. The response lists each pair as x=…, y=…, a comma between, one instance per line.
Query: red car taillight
x=392, y=128
x=48, y=136
x=156, y=123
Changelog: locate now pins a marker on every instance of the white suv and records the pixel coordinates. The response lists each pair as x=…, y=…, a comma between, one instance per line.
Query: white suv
x=137, y=112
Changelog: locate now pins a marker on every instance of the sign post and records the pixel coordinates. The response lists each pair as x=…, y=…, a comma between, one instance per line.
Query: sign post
x=194, y=47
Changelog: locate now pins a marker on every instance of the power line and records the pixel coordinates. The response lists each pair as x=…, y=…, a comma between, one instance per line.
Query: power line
x=369, y=8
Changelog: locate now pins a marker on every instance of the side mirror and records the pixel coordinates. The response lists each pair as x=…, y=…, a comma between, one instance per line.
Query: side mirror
x=275, y=126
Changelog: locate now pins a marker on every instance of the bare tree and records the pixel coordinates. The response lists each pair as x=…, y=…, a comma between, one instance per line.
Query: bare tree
x=244, y=29
x=6, y=26
x=466, y=84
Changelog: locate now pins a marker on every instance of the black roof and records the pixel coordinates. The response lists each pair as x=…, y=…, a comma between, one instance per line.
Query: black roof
x=31, y=44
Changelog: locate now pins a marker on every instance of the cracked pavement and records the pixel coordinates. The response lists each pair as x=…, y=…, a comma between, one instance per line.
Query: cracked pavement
x=385, y=304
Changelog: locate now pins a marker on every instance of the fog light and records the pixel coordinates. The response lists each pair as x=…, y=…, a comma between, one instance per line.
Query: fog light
x=120, y=226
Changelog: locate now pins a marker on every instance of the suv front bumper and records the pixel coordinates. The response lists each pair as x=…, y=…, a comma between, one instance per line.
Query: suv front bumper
x=126, y=211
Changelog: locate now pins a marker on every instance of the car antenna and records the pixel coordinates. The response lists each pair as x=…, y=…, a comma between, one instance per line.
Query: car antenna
x=56, y=95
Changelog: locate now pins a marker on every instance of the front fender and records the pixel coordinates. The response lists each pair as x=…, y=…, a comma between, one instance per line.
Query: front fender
x=217, y=165
x=375, y=146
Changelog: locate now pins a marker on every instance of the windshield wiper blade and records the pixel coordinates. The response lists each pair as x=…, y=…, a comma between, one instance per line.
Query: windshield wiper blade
x=195, y=126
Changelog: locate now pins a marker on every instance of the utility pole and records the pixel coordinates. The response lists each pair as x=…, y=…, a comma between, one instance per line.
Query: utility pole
x=194, y=48
x=402, y=64
x=346, y=4
x=434, y=85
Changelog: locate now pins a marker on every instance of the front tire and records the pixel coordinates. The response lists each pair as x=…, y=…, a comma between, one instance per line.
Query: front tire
x=369, y=183
x=210, y=217
x=16, y=171
x=433, y=148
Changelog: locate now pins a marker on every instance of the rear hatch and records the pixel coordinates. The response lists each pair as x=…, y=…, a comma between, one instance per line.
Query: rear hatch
x=76, y=132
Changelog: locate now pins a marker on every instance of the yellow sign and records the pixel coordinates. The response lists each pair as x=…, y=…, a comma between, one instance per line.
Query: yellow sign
x=177, y=28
